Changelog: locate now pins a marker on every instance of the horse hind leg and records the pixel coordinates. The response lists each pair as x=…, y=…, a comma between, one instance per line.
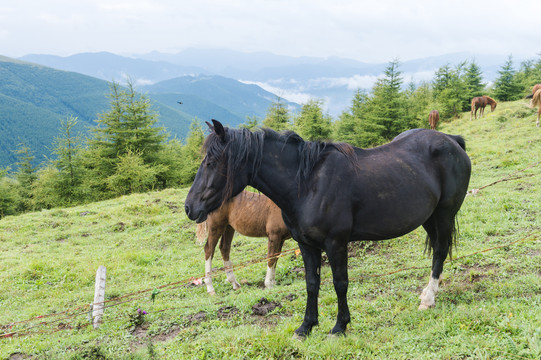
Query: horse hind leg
x=440, y=228
x=225, y=248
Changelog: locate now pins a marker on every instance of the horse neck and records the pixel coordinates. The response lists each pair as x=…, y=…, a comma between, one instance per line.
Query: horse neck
x=276, y=175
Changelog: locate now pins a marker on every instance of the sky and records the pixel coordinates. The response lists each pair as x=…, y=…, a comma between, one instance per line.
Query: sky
x=368, y=31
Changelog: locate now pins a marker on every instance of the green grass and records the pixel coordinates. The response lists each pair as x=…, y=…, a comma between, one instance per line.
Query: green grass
x=488, y=307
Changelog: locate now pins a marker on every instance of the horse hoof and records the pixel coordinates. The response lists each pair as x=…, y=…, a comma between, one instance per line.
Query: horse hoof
x=425, y=306
x=299, y=337
x=336, y=335
x=212, y=293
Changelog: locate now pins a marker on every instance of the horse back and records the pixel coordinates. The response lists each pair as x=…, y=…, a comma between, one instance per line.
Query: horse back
x=405, y=179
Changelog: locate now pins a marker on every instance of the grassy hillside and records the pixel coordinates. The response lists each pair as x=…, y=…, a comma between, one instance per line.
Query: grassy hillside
x=489, y=305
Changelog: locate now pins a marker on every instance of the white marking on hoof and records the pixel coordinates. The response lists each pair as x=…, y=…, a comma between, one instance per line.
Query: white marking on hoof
x=270, y=278
x=212, y=293
x=230, y=276
x=428, y=296
x=208, y=277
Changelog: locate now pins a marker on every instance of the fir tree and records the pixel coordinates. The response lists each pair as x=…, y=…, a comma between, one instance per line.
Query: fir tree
x=505, y=86
x=473, y=79
x=277, y=116
x=312, y=124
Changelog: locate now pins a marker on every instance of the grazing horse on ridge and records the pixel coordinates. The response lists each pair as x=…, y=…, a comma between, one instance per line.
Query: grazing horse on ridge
x=480, y=103
x=534, y=90
x=334, y=193
x=250, y=214
x=536, y=101
x=433, y=119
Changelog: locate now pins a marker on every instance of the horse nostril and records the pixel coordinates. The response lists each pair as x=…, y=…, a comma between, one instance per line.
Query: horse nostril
x=187, y=209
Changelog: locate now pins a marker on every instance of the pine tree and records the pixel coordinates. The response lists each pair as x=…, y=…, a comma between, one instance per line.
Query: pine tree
x=67, y=148
x=277, y=116
x=388, y=115
x=349, y=127
x=251, y=123
x=25, y=175
x=450, y=90
x=312, y=124
x=505, y=86
x=10, y=198
x=128, y=127
x=473, y=79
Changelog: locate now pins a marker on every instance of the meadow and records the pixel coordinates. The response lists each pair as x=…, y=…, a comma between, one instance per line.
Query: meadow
x=488, y=306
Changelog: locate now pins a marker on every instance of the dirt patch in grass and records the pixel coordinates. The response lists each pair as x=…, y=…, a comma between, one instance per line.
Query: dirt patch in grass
x=226, y=312
x=19, y=356
x=264, y=306
x=197, y=318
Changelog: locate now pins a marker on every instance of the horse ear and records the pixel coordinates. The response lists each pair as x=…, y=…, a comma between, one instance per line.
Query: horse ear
x=219, y=129
x=211, y=128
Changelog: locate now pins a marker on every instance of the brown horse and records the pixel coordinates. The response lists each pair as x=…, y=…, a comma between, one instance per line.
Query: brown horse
x=433, y=119
x=250, y=214
x=534, y=90
x=480, y=103
x=536, y=101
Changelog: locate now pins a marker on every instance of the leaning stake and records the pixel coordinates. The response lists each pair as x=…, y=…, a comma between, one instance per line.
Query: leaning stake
x=99, y=297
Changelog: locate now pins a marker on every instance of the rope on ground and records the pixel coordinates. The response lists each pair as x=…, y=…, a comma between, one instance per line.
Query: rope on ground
x=534, y=235
x=509, y=177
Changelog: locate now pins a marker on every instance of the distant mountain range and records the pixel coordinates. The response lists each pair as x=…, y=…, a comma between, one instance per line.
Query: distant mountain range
x=35, y=98
x=222, y=84
x=297, y=79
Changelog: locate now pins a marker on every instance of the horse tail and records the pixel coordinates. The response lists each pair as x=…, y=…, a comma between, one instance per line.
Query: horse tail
x=453, y=240
x=459, y=140
x=201, y=232
x=536, y=98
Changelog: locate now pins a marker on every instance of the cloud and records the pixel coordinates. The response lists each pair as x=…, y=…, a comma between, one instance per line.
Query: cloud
x=292, y=95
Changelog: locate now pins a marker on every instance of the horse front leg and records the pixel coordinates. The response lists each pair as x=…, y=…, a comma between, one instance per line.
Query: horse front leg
x=338, y=257
x=312, y=266
x=225, y=248
x=210, y=246
x=274, y=249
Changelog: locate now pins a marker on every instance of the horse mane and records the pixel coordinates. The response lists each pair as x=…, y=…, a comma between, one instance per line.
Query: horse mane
x=239, y=144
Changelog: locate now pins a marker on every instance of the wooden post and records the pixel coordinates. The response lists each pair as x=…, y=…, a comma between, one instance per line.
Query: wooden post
x=99, y=297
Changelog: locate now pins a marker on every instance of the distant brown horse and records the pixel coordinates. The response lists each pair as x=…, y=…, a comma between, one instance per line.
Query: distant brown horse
x=433, y=119
x=534, y=90
x=480, y=103
x=536, y=101
x=250, y=214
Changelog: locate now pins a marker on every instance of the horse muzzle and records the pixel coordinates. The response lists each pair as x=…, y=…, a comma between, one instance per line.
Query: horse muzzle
x=197, y=216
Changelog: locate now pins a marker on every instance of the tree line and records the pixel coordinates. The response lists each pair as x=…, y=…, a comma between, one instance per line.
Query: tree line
x=127, y=152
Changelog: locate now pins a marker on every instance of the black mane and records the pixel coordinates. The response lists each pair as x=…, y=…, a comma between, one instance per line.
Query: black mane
x=239, y=144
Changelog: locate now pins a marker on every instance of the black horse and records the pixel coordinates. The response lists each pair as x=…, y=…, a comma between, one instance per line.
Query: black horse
x=333, y=193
